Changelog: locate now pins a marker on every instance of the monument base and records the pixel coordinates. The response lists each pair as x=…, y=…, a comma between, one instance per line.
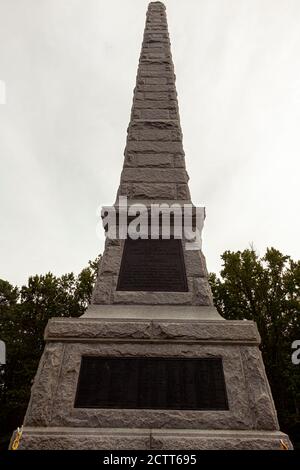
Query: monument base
x=150, y=439
x=248, y=421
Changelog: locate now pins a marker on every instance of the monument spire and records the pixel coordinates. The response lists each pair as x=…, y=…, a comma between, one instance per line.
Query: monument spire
x=154, y=165
x=154, y=172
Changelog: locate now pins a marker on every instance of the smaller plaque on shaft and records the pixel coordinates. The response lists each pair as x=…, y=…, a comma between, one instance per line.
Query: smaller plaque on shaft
x=152, y=265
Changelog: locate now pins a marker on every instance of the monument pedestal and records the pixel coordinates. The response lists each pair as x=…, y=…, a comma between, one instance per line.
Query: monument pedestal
x=54, y=422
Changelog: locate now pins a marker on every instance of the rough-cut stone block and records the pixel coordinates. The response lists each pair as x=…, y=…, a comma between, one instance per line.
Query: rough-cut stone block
x=179, y=161
x=217, y=440
x=156, y=88
x=195, y=263
x=183, y=192
x=156, y=49
x=155, y=134
x=93, y=329
x=160, y=160
x=157, y=23
x=156, y=55
x=150, y=39
x=173, y=114
x=170, y=175
x=159, y=56
x=161, y=45
x=155, y=124
x=155, y=42
x=156, y=12
x=149, y=104
x=157, y=26
x=165, y=74
x=157, y=8
x=163, y=95
x=154, y=67
x=125, y=189
x=152, y=298
x=44, y=388
x=153, y=147
x=165, y=61
x=202, y=292
x=111, y=260
x=260, y=397
x=153, y=80
x=149, y=191
x=151, y=113
x=156, y=17
x=61, y=438
x=112, y=242
x=156, y=36
x=159, y=29
x=102, y=290
x=155, y=96
x=207, y=331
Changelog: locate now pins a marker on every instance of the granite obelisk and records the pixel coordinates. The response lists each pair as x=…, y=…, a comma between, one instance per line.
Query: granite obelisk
x=151, y=364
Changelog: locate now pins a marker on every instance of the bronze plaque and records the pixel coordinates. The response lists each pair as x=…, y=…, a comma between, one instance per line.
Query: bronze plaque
x=151, y=383
x=152, y=265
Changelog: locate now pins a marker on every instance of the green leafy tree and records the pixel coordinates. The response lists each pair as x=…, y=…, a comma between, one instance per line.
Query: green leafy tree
x=267, y=291
x=24, y=314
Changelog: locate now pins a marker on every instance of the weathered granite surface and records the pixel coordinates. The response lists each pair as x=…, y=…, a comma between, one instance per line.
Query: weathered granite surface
x=53, y=393
x=154, y=140
x=151, y=439
x=84, y=439
x=208, y=332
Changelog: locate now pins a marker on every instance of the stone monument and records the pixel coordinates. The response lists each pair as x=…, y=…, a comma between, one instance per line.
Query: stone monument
x=151, y=364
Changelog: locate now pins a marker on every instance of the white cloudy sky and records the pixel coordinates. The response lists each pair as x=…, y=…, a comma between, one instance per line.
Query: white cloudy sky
x=69, y=68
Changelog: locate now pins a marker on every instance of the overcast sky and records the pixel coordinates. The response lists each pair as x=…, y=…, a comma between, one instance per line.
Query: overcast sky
x=70, y=66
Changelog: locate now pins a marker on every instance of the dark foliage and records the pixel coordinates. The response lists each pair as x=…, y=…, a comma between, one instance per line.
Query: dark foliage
x=24, y=314
x=267, y=291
